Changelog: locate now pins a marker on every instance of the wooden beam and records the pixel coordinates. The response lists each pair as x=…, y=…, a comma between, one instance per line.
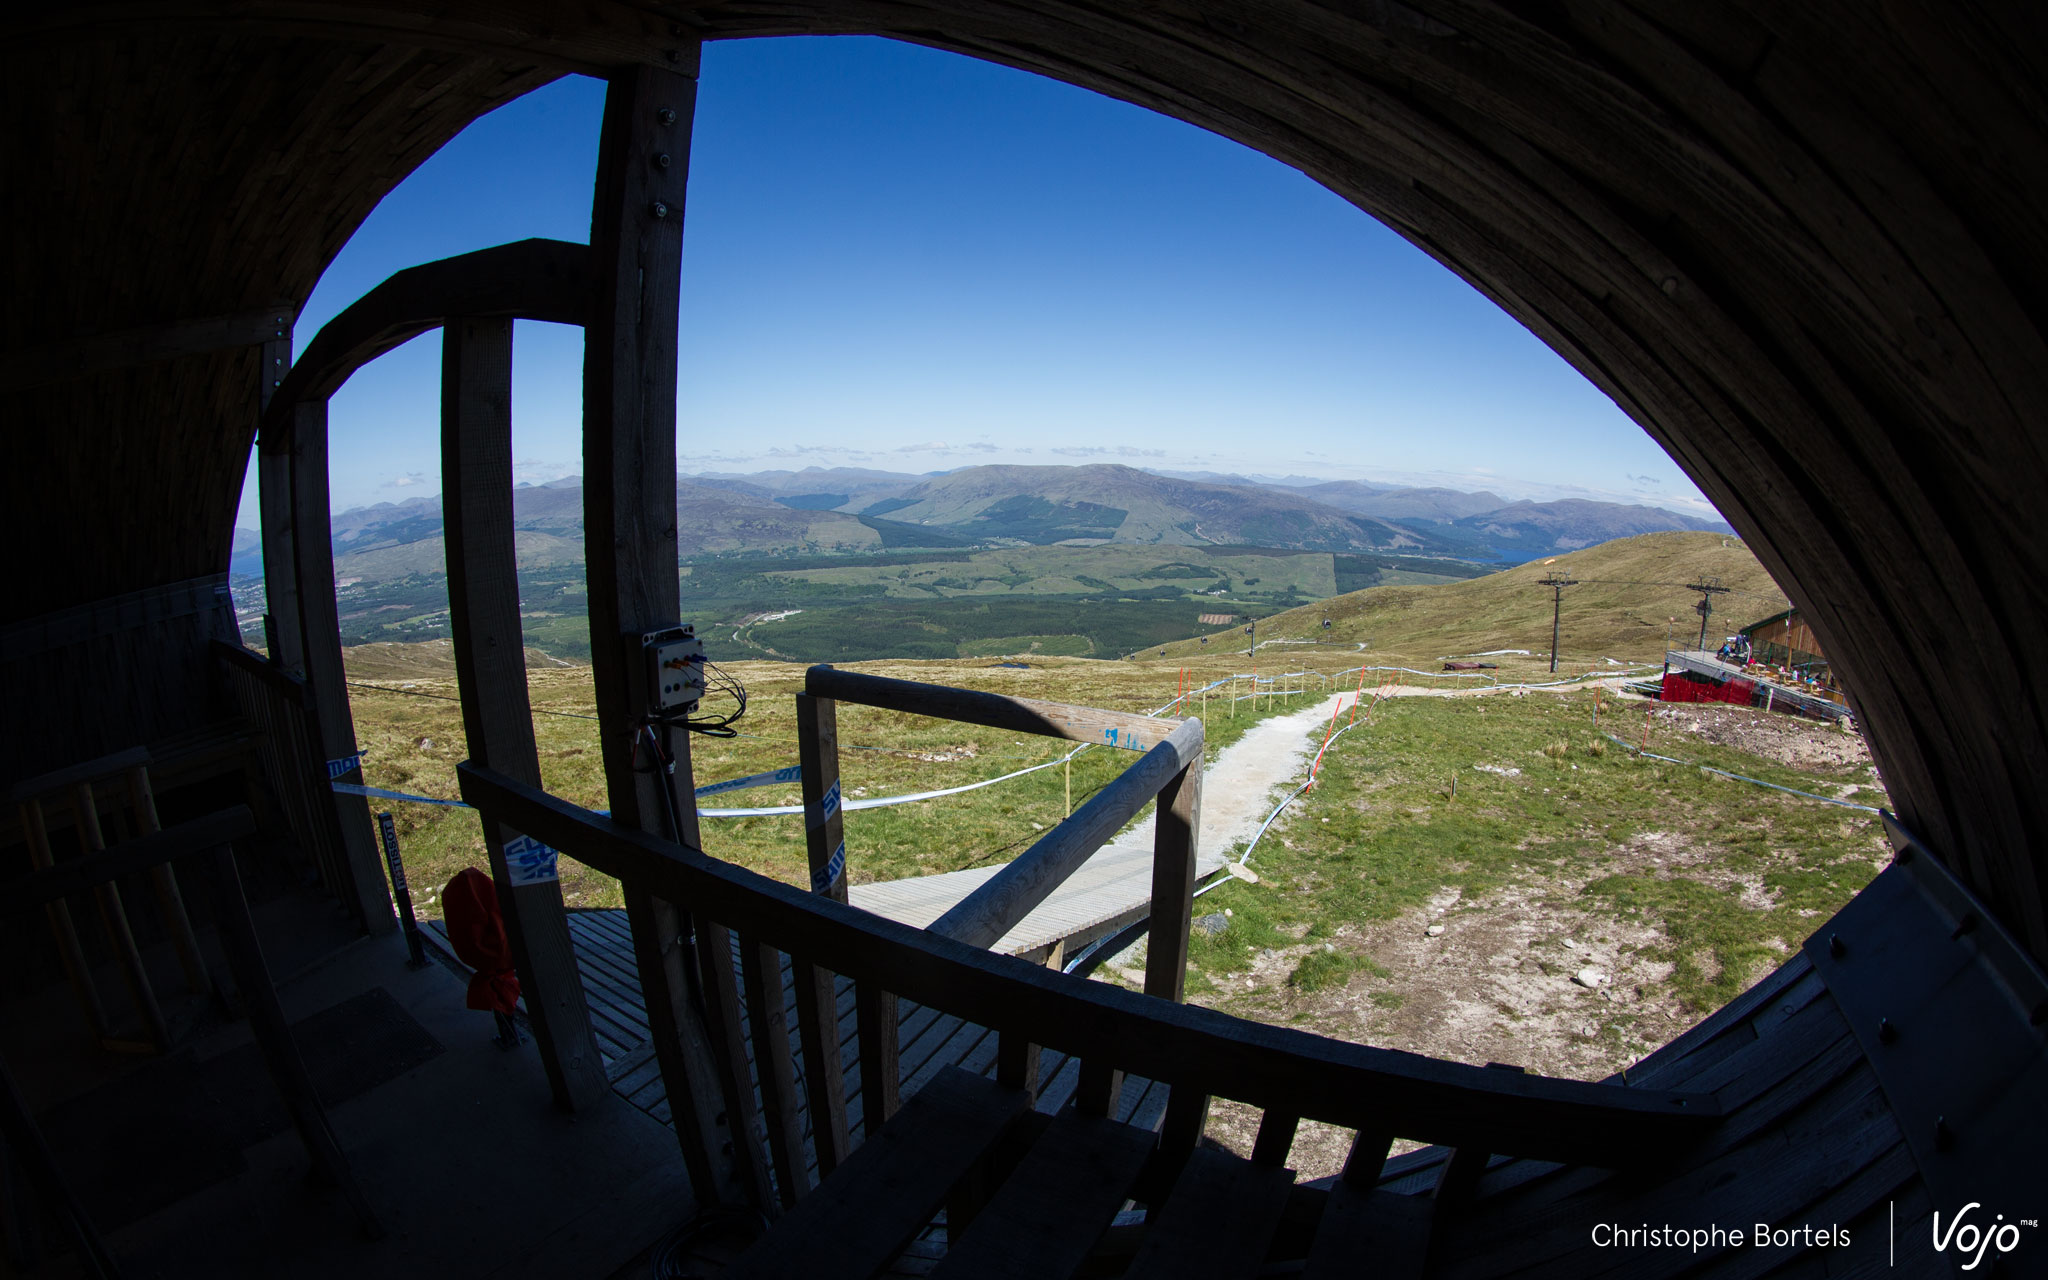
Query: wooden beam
x=634, y=293
x=604, y=35
x=1354, y=1086
x=995, y=710
x=56, y=361
x=1176, y=831
x=984, y=916
x=281, y=637
x=817, y=745
x=490, y=669
x=525, y=280
x=320, y=633
x=761, y=968
x=817, y=748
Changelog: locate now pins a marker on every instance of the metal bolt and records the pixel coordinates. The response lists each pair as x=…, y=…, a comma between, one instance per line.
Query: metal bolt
x=661, y=160
x=666, y=115
x=660, y=210
x=1836, y=947
x=1886, y=1032
x=1669, y=284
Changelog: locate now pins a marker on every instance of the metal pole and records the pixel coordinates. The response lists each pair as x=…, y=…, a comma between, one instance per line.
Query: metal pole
x=389, y=832
x=1556, y=611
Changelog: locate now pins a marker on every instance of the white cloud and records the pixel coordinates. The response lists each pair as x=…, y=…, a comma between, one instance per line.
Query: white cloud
x=1097, y=451
x=406, y=481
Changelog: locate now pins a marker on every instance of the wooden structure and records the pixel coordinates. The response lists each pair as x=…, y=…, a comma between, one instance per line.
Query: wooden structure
x=1787, y=640
x=1802, y=245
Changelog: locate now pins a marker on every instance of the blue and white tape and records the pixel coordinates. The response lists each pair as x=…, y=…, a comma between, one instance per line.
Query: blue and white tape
x=794, y=773
x=834, y=867
x=351, y=789
x=528, y=861
x=344, y=766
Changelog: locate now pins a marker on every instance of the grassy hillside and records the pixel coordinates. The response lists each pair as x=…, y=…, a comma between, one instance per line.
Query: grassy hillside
x=1629, y=592
x=1104, y=501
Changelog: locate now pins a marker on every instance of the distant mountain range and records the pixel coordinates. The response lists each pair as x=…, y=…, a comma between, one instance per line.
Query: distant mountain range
x=843, y=509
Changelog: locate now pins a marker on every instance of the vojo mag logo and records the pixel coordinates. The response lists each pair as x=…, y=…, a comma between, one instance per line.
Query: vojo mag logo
x=1971, y=1240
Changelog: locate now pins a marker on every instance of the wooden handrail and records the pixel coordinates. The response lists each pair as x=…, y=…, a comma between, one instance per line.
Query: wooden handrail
x=993, y=710
x=1356, y=1086
x=984, y=916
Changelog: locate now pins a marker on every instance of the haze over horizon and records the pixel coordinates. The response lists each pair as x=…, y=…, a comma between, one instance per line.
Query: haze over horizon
x=912, y=261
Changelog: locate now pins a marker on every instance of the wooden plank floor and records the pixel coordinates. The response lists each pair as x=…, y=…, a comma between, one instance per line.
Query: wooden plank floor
x=927, y=1039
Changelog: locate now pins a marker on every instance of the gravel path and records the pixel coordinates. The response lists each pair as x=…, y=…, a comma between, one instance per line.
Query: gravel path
x=1241, y=786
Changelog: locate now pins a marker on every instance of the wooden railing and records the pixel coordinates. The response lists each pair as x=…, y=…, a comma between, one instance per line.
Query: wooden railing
x=280, y=706
x=205, y=844
x=1291, y=1075
x=1169, y=768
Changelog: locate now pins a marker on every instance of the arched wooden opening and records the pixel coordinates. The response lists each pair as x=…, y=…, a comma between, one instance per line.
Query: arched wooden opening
x=1804, y=248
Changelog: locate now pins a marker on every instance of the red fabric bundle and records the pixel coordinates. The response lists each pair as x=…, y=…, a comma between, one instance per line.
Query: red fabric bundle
x=477, y=932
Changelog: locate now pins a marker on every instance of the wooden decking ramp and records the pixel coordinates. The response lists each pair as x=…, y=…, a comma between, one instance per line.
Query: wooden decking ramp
x=1111, y=890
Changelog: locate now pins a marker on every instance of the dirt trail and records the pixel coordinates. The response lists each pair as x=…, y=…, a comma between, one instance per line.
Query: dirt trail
x=1238, y=788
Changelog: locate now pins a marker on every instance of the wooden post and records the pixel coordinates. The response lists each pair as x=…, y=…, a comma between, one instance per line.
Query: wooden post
x=112, y=914
x=1176, y=829
x=490, y=668
x=817, y=728
x=817, y=1002
x=274, y=494
x=320, y=634
x=169, y=900
x=66, y=933
x=629, y=497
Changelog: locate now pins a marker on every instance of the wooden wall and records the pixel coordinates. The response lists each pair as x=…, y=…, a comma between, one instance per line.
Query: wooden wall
x=119, y=672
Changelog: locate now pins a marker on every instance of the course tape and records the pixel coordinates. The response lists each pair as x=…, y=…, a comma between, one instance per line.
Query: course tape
x=351, y=789
x=883, y=802
x=1739, y=777
x=794, y=773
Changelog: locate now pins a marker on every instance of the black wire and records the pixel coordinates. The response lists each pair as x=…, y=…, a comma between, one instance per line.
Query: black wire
x=442, y=697
x=716, y=681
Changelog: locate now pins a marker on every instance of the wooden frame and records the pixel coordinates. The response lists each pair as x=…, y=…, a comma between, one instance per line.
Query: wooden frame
x=490, y=666
x=1196, y=1050
x=1170, y=769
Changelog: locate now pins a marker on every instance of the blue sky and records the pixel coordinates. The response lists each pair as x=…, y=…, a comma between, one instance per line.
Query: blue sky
x=907, y=260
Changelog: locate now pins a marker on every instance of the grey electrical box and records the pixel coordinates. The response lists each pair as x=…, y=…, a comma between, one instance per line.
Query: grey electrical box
x=675, y=667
